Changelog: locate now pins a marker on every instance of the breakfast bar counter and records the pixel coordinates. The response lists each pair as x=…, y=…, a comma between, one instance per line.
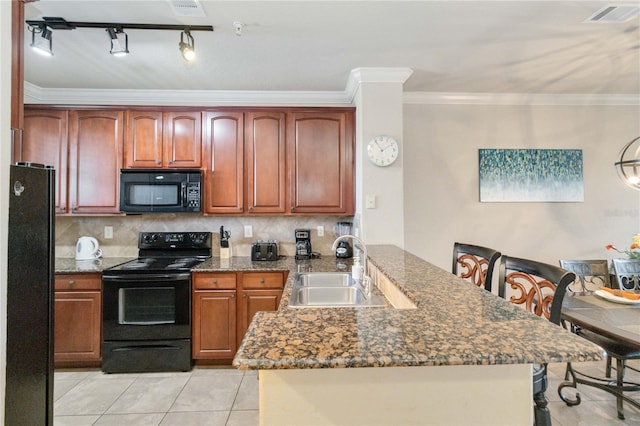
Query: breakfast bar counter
x=486, y=344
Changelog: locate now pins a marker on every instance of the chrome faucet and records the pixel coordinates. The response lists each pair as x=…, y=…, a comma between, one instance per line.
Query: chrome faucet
x=365, y=277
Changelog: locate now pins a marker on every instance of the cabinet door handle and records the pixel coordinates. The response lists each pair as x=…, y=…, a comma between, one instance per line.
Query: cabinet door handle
x=239, y=207
x=250, y=208
x=244, y=296
x=215, y=281
x=233, y=296
x=71, y=282
x=261, y=280
x=293, y=208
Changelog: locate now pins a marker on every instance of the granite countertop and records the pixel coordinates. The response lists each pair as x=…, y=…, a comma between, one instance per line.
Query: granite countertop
x=455, y=323
x=69, y=265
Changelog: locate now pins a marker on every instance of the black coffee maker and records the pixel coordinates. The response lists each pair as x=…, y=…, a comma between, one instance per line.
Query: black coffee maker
x=303, y=244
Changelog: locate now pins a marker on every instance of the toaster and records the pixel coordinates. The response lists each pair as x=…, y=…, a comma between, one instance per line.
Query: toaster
x=264, y=250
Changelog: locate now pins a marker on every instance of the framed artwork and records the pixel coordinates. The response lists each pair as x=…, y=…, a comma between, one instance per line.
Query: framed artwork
x=530, y=175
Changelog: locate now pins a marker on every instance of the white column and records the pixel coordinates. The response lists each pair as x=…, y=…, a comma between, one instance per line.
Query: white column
x=378, y=95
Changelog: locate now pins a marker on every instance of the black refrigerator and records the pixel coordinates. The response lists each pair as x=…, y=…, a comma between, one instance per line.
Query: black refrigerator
x=30, y=286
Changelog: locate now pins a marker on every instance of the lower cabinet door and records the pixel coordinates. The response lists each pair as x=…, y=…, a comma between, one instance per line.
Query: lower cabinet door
x=254, y=301
x=214, y=324
x=77, y=326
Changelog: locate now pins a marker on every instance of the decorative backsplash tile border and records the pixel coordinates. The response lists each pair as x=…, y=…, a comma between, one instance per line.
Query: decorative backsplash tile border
x=126, y=228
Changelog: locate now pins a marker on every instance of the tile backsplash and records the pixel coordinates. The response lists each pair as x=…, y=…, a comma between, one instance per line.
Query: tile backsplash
x=126, y=228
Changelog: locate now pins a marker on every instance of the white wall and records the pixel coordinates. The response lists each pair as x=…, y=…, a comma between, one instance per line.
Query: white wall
x=441, y=186
x=379, y=112
x=5, y=158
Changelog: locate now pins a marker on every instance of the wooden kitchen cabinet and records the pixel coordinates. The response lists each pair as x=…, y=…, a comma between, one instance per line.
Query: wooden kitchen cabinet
x=261, y=291
x=214, y=316
x=85, y=147
x=77, y=319
x=95, y=160
x=321, y=156
x=45, y=141
x=156, y=139
x=223, y=147
x=265, y=162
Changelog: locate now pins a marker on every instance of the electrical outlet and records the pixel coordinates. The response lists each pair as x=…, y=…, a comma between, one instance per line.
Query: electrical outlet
x=108, y=232
x=248, y=231
x=320, y=230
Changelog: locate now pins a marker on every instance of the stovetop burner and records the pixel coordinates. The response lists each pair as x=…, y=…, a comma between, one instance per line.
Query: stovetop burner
x=166, y=264
x=167, y=252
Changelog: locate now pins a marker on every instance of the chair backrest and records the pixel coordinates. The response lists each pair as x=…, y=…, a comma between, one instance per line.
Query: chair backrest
x=590, y=274
x=474, y=263
x=540, y=287
x=627, y=272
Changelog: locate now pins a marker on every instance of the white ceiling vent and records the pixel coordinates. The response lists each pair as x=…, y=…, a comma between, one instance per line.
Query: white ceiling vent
x=187, y=8
x=615, y=14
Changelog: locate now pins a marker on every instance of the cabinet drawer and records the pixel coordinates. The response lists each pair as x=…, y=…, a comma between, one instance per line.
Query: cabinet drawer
x=263, y=280
x=214, y=280
x=68, y=282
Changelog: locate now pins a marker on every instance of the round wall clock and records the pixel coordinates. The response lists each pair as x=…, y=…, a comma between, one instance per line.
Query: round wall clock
x=382, y=150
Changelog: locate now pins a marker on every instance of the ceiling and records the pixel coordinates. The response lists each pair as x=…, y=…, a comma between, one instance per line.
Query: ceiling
x=451, y=46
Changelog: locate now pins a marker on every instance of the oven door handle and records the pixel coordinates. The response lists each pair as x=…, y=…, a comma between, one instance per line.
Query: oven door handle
x=147, y=277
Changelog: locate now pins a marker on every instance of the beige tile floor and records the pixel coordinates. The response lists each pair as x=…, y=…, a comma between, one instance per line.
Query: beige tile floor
x=203, y=396
x=224, y=396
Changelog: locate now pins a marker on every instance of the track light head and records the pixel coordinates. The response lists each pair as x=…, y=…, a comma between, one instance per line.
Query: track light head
x=42, y=44
x=119, y=42
x=187, y=48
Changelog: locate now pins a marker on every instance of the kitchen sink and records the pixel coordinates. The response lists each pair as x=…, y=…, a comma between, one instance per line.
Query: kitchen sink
x=330, y=290
x=325, y=279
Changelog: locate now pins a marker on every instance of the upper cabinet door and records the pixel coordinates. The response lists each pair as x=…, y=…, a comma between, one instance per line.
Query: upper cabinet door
x=182, y=139
x=320, y=152
x=265, y=162
x=143, y=139
x=223, y=134
x=44, y=141
x=95, y=160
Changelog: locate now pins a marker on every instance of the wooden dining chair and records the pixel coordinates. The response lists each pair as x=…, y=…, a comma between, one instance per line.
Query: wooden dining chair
x=474, y=263
x=540, y=289
x=627, y=273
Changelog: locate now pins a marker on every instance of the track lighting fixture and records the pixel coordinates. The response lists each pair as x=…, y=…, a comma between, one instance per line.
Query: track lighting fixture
x=119, y=39
x=119, y=42
x=43, y=43
x=187, y=49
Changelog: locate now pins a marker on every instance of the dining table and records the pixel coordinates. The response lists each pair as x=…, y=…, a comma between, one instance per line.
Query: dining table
x=609, y=316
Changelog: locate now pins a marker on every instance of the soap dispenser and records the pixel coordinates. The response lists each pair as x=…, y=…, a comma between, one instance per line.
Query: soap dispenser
x=356, y=269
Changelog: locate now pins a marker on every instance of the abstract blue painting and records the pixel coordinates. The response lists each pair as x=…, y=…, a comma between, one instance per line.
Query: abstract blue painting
x=547, y=175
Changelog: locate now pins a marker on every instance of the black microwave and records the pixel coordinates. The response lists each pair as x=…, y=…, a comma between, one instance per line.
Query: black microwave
x=160, y=191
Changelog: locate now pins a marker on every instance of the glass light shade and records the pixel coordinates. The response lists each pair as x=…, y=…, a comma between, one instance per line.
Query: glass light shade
x=43, y=43
x=628, y=164
x=119, y=42
x=187, y=49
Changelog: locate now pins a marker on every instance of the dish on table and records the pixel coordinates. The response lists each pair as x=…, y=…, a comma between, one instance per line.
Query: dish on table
x=617, y=299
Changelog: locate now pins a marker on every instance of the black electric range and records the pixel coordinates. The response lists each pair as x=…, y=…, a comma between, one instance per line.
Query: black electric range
x=146, y=304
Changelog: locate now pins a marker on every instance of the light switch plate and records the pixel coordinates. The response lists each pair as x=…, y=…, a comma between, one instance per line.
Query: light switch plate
x=320, y=229
x=370, y=202
x=248, y=231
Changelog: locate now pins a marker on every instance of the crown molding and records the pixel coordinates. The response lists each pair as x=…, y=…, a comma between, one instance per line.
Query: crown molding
x=35, y=94
x=359, y=76
x=452, y=98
